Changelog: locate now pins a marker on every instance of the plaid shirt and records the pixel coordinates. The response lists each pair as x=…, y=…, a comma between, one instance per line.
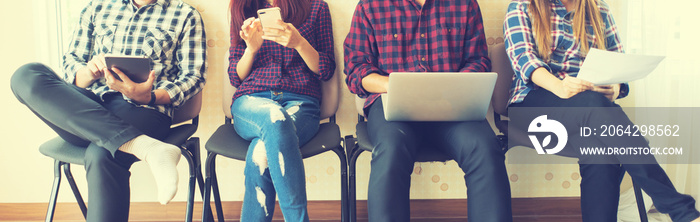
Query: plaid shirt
x=276, y=67
x=169, y=32
x=401, y=36
x=566, y=58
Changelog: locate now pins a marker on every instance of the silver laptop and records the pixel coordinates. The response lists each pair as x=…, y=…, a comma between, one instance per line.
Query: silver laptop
x=438, y=96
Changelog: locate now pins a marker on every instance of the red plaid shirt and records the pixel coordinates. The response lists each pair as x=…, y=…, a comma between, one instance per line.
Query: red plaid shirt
x=401, y=36
x=276, y=67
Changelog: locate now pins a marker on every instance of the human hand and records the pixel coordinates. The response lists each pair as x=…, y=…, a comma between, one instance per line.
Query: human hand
x=287, y=36
x=251, y=33
x=91, y=72
x=609, y=91
x=570, y=86
x=138, y=92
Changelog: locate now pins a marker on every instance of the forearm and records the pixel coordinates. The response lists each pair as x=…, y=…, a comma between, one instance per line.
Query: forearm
x=543, y=78
x=162, y=97
x=83, y=78
x=245, y=64
x=310, y=56
x=375, y=83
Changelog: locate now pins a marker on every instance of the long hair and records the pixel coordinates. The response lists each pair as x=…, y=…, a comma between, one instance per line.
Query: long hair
x=293, y=11
x=587, y=13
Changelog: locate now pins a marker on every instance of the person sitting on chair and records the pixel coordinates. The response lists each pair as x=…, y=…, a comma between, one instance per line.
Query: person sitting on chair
x=423, y=36
x=278, y=71
x=99, y=107
x=547, y=41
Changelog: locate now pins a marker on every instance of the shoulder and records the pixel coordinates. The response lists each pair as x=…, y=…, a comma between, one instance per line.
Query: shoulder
x=184, y=8
x=603, y=7
x=319, y=6
x=519, y=4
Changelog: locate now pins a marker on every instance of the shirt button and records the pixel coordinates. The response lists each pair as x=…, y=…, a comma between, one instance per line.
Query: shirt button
x=422, y=35
x=423, y=59
x=396, y=35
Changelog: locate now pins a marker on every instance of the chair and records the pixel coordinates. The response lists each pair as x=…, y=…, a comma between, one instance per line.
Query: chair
x=500, y=63
x=225, y=141
x=65, y=154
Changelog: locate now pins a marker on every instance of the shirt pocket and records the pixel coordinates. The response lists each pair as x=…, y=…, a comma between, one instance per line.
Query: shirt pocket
x=104, y=39
x=393, y=50
x=158, y=44
x=450, y=40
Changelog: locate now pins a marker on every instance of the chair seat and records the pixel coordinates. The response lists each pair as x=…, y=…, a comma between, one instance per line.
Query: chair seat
x=63, y=151
x=225, y=141
x=425, y=153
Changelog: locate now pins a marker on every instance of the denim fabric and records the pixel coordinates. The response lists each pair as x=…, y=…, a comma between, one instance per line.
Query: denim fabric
x=277, y=124
x=600, y=183
x=472, y=144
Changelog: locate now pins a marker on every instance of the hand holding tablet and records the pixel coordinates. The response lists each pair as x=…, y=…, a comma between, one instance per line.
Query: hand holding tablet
x=136, y=68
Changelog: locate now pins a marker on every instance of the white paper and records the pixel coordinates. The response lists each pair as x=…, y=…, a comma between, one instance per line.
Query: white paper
x=605, y=67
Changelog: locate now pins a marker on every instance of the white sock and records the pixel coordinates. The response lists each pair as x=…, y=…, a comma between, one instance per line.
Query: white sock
x=162, y=158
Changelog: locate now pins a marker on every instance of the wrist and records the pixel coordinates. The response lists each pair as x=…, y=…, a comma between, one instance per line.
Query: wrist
x=251, y=50
x=152, y=100
x=302, y=45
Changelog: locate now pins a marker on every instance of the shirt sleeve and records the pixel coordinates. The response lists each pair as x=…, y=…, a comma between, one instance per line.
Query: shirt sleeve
x=475, y=48
x=324, y=40
x=235, y=53
x=520, y=42
x=191, y=56
x=360, y=52
x=80, y=46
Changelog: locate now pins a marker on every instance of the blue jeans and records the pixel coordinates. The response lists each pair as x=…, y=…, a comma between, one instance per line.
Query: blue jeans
x=277, y=124
x=472, y=144
x=600, y=183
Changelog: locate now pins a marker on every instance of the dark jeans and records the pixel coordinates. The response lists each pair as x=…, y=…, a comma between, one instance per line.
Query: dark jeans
x=472, y=144
x=600, y=183
x=83, y=119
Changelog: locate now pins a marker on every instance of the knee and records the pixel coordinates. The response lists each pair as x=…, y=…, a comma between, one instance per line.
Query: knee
x=592, y=99
x=27, y=75
x=96, y=156
x=395, y=144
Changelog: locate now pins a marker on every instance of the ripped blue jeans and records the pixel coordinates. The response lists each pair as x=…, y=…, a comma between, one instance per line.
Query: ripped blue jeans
x=277, y=124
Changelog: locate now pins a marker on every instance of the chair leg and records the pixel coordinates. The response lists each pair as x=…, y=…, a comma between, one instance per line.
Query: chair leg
x=194, y=147
x=74, y=187
x=193, y=174
x=217, y=195
x=352, y=189
x=209, y=184
x=54, y=191
x=640, y=202
x=343, y=184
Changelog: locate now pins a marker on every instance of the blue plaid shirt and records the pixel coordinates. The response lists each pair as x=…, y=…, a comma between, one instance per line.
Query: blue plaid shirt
x=566, y=58
x=169, y=32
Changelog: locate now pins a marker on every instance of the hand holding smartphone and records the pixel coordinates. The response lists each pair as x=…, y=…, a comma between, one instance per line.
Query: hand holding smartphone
x=269, y=16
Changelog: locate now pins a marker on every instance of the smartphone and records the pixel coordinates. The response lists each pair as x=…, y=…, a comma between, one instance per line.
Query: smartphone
x=136, y=68
x=269, y=16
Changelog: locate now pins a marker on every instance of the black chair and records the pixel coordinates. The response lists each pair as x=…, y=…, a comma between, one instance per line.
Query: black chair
x=65, y=154
x=500, y=63
x=225, y=141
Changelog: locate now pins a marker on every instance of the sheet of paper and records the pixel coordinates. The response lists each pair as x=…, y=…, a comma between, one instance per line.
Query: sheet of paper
x=605, y=67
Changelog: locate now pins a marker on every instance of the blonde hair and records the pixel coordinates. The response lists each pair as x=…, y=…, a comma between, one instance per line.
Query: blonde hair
x=587, y=12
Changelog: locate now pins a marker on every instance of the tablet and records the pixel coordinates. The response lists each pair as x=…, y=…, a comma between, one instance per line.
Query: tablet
x=136, y=68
